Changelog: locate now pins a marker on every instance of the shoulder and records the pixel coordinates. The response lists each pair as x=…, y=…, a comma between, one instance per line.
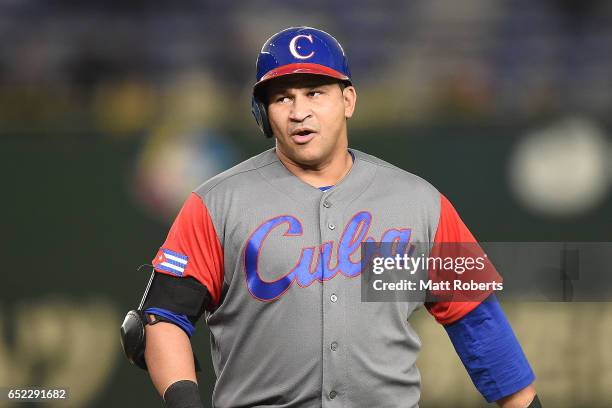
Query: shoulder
x=397, y=178
x=242, y=174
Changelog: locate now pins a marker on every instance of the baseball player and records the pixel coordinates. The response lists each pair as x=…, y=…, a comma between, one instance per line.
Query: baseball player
x=268, y=252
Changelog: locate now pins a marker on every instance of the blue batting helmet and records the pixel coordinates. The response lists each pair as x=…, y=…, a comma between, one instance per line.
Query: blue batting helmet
x=297, y=50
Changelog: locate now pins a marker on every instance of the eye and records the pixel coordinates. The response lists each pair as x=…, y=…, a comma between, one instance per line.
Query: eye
x=283, y=99
x=315, y=92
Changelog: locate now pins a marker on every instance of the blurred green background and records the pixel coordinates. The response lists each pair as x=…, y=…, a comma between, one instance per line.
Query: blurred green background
x=110, y=113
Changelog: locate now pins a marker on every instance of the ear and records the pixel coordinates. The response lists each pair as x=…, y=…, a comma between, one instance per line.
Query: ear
x=349, y=95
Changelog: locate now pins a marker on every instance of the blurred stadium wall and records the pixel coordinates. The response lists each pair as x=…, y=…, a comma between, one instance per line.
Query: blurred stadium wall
x=111, y=112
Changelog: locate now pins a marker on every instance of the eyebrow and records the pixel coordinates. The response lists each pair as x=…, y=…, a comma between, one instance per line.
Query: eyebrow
x=282, y=89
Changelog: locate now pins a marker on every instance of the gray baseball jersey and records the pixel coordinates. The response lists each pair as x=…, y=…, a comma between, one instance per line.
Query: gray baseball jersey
x=281, y=260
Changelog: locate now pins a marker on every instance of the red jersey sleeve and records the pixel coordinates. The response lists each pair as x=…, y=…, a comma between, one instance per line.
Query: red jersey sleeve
x=451, y=230
x=192, y=248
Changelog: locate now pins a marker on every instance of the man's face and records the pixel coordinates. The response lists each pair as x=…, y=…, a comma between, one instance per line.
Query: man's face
x=308, y=115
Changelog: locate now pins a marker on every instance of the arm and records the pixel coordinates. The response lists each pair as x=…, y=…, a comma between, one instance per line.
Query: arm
x=492, y=356
x=168, y=355
x=519, y=399
x=187, y=280
x=480, y=332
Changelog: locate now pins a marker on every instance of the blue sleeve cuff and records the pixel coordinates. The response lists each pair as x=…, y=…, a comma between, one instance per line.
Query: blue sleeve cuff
x=180, y=320
x=490, y=351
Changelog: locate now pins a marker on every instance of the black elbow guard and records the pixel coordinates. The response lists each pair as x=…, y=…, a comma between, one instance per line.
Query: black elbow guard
x=179, y=295
x=133, y=337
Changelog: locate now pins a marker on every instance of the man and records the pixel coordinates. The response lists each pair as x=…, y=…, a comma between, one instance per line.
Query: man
x=268, y=251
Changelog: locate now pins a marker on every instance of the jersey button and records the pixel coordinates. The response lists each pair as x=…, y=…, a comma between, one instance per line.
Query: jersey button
x=334, y=346
x=332, y=394
x=326, y=204
x=332, y=226
x=333, y=298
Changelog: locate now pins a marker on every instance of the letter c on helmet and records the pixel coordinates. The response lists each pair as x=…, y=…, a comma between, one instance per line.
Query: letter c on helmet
x=293, y=50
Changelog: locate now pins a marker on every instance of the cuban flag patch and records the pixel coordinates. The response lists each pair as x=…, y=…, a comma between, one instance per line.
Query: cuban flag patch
x=171, y=261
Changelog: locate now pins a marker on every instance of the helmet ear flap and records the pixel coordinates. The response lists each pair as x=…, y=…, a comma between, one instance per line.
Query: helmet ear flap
x=260, y=112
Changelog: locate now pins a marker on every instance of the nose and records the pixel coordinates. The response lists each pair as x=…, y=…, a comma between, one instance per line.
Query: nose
x=300, y=109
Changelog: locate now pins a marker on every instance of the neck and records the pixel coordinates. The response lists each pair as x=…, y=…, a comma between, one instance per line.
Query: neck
x=327, y=173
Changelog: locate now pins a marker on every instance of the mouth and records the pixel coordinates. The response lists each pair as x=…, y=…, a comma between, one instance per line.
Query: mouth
x=303, y=135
